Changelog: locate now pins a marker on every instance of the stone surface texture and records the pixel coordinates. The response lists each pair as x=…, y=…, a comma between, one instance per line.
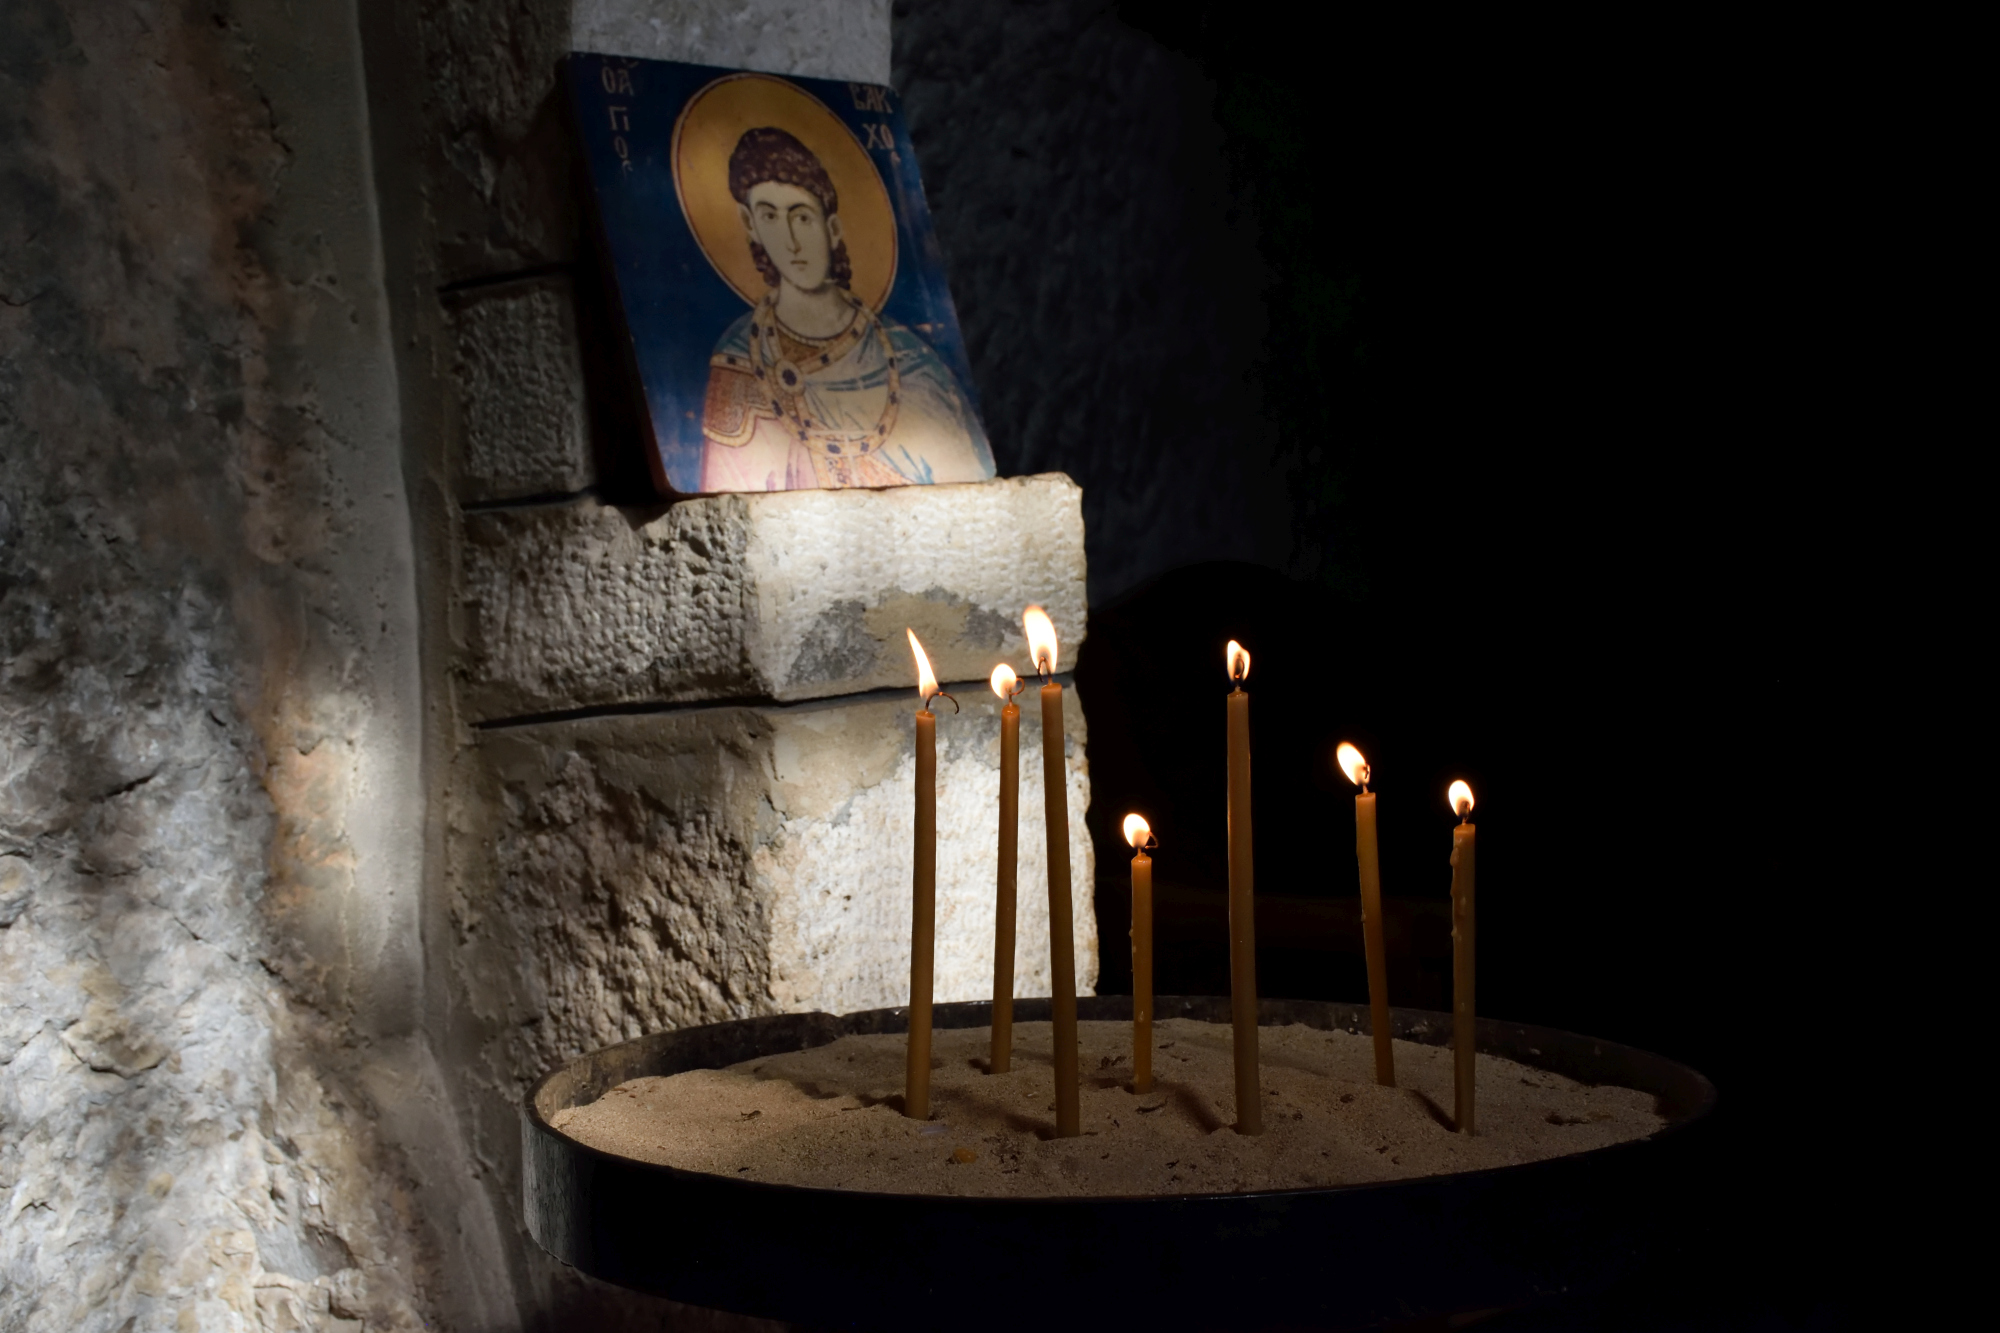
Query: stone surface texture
x=210, y=805
x=523, y=426
x=296, y=892
x=654, y=862
x=497, y=153
x=848, y=39
x=493, y=150
x=615, y=876
x=786, y=595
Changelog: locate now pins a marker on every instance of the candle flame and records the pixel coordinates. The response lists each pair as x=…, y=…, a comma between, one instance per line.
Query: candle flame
x=1041, y=632
x=1137, y=831
x=1239, y=661
x=926, y=679
x=1352, y=764
x=1460, y=798
x=1004, y=681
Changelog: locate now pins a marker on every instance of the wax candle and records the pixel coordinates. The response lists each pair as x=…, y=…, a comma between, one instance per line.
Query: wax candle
x=923, y=914
x=1140, y=837
x=1462, y=1020
x=1006, y=685
x=1242, y=924
x=1369, y=863
x=1041, y=634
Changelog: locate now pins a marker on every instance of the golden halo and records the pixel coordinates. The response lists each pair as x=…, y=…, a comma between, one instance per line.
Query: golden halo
x=706, y=134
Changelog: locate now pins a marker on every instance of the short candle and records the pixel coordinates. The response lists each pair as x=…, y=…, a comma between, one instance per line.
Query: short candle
x=1140, y=837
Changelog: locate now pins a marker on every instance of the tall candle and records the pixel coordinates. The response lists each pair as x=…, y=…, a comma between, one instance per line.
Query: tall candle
x=1242, y=923
x=1041, y=633
x=1462, y=1020
x=1006, y=685
x=1140, y=836
x=1368, y=860
x=923, y=913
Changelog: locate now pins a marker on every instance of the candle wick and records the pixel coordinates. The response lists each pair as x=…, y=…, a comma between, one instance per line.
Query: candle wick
x=941, y=694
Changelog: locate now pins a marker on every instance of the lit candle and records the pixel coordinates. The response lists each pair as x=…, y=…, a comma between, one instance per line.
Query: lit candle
x=1460, y=799
x=1041, y=634
x=1140, y=836
x=1368, y=858
x=923, y=915
x=1242, y=924
x=1006, y=685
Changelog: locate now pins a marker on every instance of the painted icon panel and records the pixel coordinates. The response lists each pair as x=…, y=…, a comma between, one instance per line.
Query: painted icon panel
x=781, y=288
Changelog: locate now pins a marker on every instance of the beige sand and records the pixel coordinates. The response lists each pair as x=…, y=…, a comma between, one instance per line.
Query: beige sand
x=828, y=1117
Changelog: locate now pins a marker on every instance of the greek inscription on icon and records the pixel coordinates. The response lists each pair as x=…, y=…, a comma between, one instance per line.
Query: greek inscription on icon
x=868, y=97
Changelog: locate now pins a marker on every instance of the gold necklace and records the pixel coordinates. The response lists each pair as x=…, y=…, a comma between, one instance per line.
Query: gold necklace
x=786, y=378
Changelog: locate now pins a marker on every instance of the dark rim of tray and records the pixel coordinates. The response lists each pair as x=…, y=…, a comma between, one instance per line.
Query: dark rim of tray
x=1683, y=1095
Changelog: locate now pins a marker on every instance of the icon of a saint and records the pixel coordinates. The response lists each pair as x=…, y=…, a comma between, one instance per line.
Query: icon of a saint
x=811, y=387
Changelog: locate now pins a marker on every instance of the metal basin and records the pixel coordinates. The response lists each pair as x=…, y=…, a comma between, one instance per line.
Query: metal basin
x=1353, y=1256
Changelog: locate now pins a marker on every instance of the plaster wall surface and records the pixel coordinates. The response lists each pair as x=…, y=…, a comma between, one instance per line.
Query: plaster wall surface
x=209, y=790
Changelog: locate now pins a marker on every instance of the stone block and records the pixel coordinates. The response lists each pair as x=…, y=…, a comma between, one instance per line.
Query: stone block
x=523, y=428
x=782, y=595
x=844, y=40
x=613, y=876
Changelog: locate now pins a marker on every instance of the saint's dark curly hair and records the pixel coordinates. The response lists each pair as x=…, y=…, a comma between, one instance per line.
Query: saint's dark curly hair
x=770, y=154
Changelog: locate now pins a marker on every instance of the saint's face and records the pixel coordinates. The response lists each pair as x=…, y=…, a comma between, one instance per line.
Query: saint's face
x=794, y=231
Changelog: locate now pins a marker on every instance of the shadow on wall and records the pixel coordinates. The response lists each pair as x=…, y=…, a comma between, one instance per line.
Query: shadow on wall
x=1106, y=278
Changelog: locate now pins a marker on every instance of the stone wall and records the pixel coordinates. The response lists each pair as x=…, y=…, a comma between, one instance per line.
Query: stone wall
x=363, y=753
x=787, y=596
x=210, y=809
x=671, y=745
x=619, y=875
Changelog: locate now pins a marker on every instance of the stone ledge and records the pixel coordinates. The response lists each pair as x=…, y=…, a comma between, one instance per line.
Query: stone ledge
x=783, y=595
x=614, y=876
x=519, y=381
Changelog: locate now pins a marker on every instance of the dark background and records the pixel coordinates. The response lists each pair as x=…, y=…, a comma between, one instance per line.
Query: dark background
x=1469, y=377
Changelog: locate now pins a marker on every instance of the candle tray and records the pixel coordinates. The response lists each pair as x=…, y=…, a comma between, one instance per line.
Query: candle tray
x=1354, y=1256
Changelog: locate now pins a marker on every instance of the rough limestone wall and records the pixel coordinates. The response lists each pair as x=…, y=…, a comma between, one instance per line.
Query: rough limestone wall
x=629, y=874
x=496, y=306
x=785, y=595
x=1107, y=281
x=208, y=688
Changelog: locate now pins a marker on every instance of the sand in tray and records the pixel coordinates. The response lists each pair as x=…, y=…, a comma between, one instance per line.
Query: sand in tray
x=829, y=1117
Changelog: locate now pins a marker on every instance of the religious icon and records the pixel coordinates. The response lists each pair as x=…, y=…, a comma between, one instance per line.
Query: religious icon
x=781, y=287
